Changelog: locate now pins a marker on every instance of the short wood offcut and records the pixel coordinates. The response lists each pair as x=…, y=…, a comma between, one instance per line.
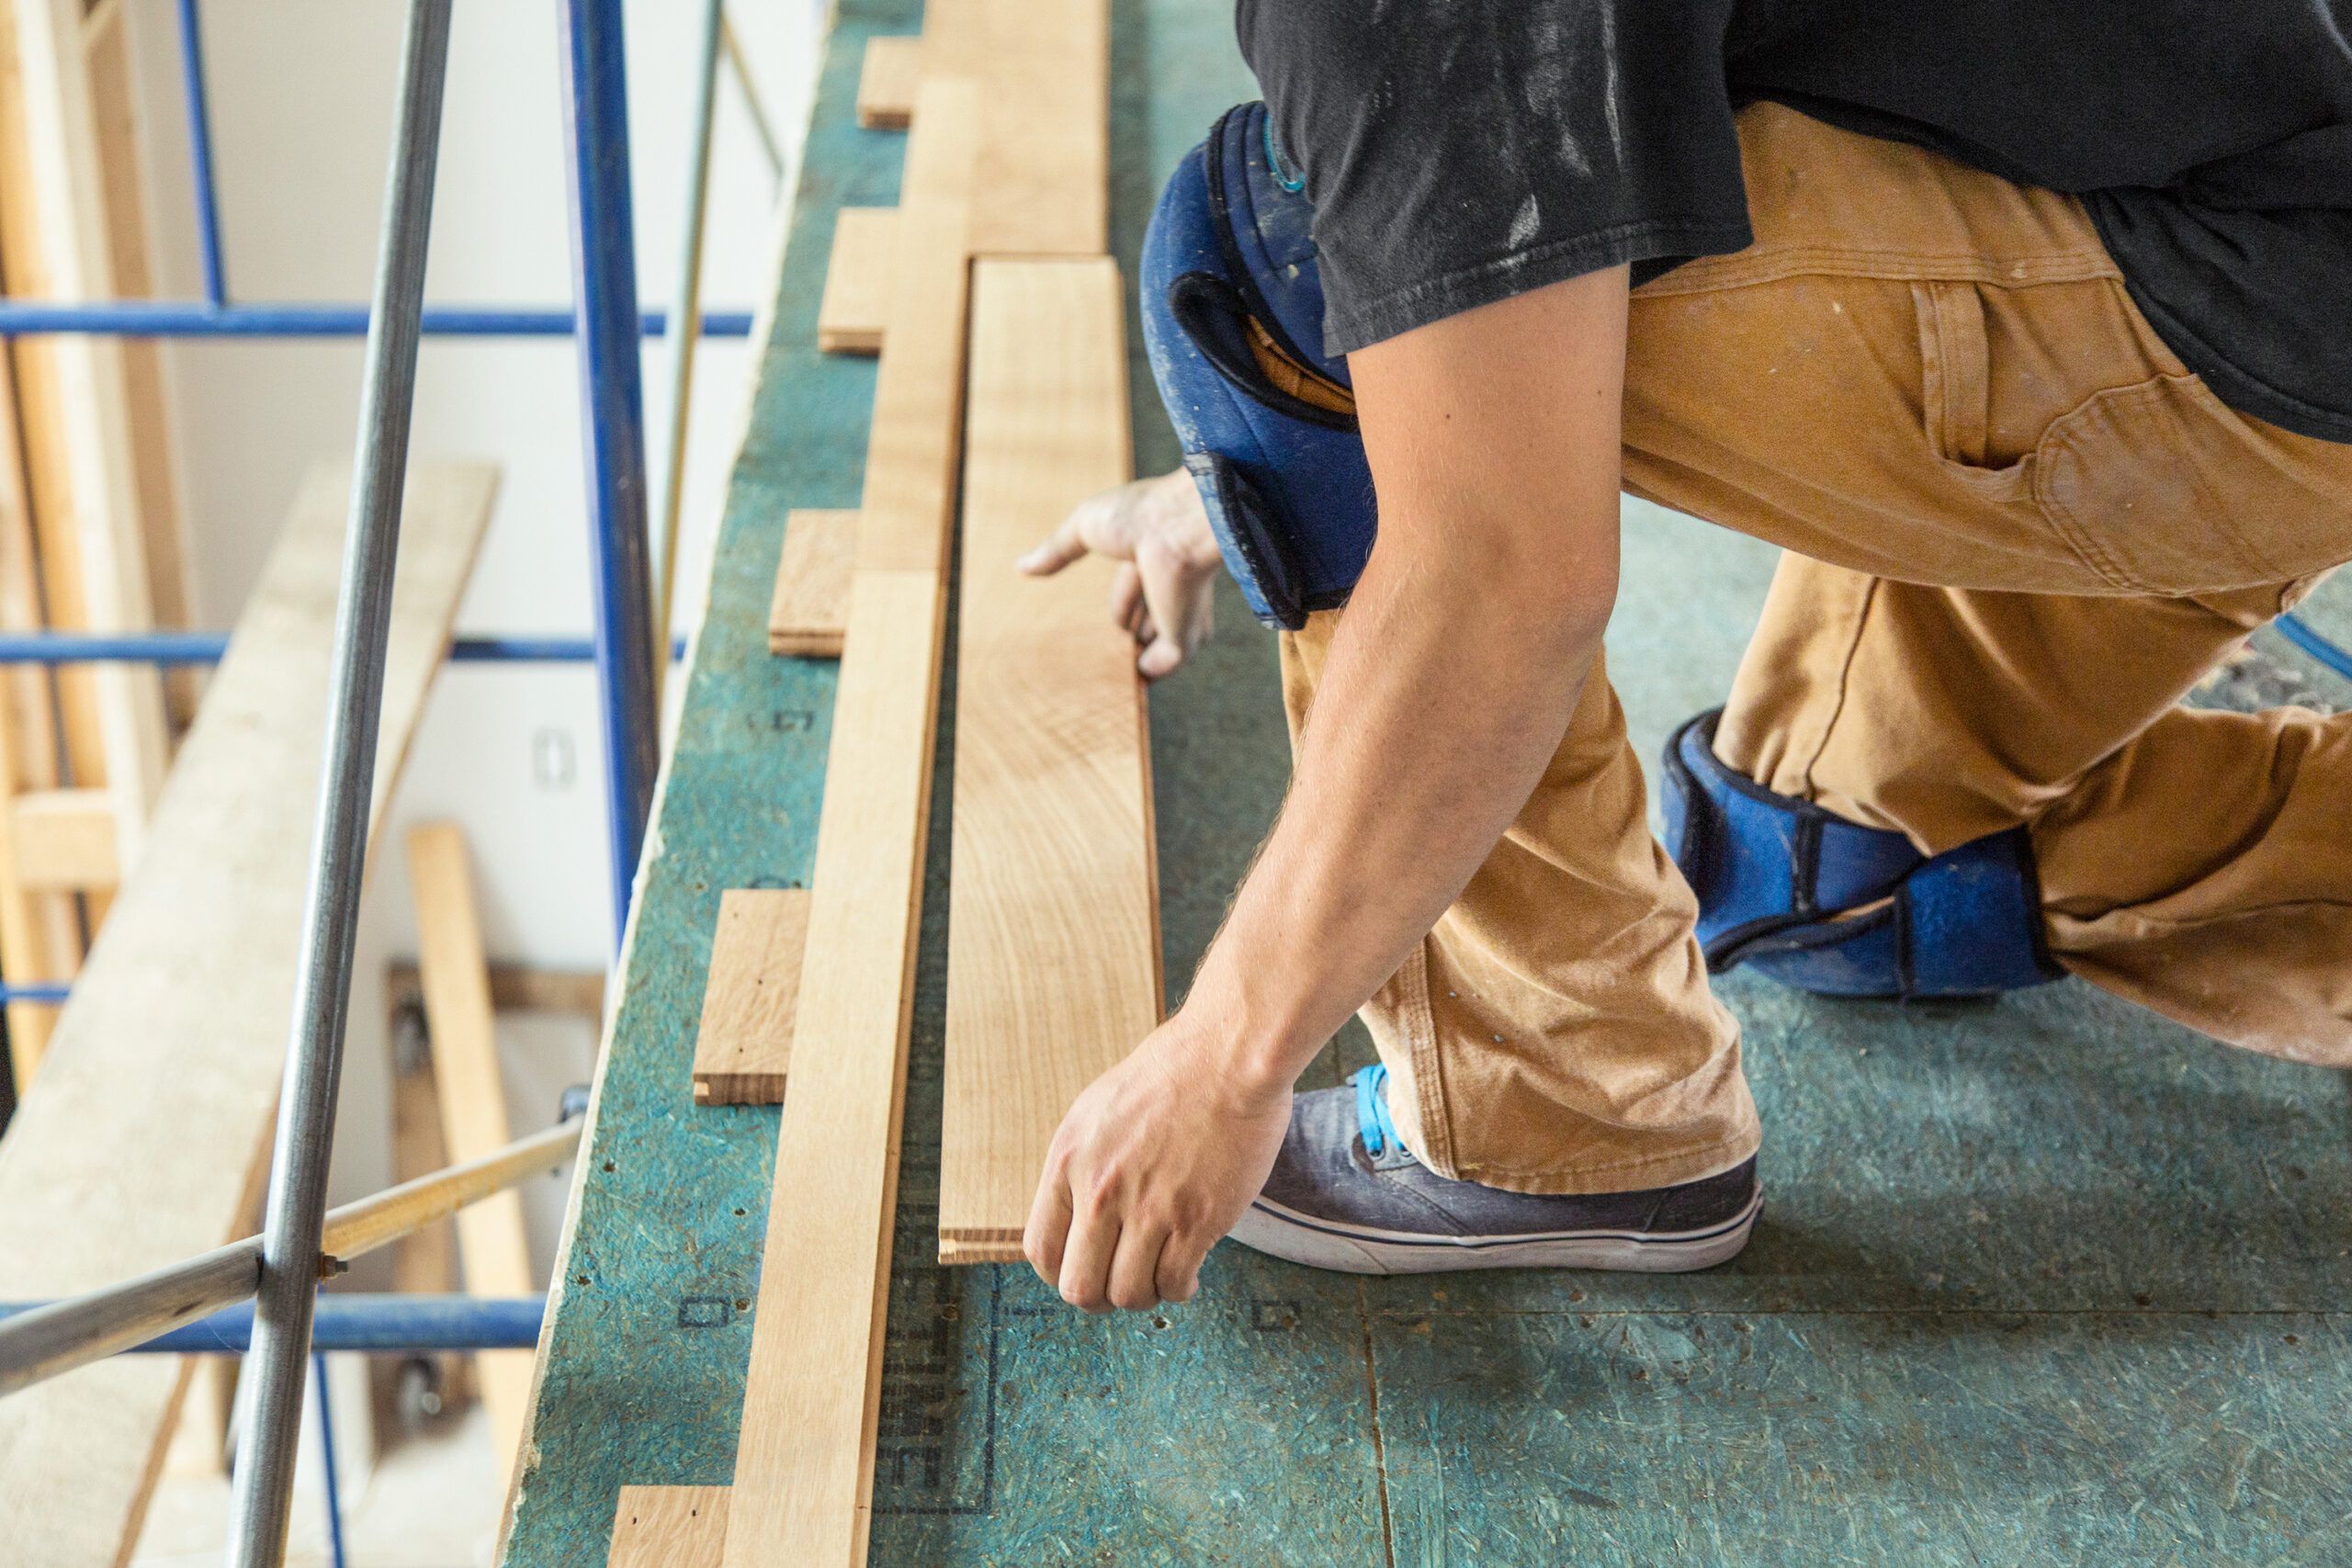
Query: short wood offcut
x=744, y=1044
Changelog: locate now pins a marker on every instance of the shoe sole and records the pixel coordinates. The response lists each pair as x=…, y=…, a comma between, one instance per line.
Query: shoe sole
x=1284, y=1233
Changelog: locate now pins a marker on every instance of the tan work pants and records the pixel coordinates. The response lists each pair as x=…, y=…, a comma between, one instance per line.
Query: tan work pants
x=2019, y=531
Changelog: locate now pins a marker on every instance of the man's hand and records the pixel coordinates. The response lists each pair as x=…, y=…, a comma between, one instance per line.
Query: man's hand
x=1158, y=532
x=1493, y=438
x=1152, y=1167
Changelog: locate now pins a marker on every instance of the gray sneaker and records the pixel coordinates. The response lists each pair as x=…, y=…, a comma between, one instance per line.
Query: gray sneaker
x=1347, y=1194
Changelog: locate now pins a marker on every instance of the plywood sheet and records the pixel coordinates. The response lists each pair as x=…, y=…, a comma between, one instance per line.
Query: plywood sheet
x=1053, y=957
x=810, y=610
x=147, y=1131
x=743, y=1047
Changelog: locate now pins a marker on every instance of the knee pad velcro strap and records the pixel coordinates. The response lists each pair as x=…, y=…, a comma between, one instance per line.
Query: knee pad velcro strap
x=1231, y=295
x=1832, y=907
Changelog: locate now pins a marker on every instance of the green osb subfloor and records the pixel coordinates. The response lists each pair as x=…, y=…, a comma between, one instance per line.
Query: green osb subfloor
x=2046, y=1280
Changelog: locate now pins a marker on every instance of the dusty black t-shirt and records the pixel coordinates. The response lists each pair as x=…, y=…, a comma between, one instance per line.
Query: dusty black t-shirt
x=1459, y=151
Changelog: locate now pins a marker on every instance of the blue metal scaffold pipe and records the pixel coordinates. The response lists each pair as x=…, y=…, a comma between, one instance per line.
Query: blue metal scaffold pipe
x=199, y=157
x=206, y=647
x=194, y=318
x=370, y=1325
x=604, y=256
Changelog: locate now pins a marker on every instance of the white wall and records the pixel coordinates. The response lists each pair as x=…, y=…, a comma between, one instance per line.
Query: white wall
x=302, y=104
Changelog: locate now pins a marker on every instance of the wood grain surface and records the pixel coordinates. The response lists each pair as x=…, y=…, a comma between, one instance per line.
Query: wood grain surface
x=743, y=1045
x=1053, y=957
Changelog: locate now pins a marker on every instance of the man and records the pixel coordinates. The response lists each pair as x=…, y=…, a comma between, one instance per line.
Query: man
x=2026, y=330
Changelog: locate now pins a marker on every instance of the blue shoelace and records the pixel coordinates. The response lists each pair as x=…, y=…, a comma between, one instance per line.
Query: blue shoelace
x=1371, y=1109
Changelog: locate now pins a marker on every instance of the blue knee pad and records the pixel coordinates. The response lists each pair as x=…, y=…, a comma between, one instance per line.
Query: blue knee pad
x=1233, y=323
x=1780, y=882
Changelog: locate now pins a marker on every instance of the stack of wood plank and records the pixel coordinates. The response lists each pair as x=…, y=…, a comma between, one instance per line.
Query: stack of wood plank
x=999, y=323
x=145, y=1139
x=91, y=534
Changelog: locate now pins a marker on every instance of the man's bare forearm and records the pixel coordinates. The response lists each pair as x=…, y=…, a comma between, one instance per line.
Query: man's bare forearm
x=1443, y=699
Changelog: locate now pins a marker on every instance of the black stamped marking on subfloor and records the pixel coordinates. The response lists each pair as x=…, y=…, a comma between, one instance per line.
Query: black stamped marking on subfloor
x=937, y=1357
x=704, y=1312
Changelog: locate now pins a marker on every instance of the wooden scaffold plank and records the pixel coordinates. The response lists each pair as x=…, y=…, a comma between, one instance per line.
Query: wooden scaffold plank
x=147, y=1132
x=1053, y=955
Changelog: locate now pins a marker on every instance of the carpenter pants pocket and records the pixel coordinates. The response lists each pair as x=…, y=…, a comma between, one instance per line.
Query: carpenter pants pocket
x=1956, y=378
x=2164, y=489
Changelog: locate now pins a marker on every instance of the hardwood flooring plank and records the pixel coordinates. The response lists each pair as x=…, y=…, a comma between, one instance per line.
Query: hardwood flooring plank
x=803, y=1467
x=919, y=391
x=1053, y=958
x=1045, y=154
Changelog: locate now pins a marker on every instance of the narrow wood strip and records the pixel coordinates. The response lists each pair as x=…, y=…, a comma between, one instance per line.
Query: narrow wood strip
x=64, y=840
x=858, y=274
x=1053, y=955
x=145, y=1134
x=743, y=1047
x=919, y=391
x=886, y=83
x=803, y=1467
x=492, y=1245
x=810, y=612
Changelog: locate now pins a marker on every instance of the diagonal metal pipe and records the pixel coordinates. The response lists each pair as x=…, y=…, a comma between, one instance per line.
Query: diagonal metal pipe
x=56, y=1337
x=271, y=1397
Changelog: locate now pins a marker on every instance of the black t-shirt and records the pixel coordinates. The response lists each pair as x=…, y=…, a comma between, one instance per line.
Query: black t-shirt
x=1459, y=151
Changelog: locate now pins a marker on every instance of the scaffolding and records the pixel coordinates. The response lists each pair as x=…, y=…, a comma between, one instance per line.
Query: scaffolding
x=199, y=1305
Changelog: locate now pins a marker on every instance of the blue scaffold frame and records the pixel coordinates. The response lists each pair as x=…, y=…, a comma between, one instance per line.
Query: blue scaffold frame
x=608, y=325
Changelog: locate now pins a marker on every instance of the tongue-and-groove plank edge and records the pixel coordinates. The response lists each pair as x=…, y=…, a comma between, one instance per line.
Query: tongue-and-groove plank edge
x=1053, y=954
x=809, y=612
x=744, y=1046
x=886, y=83
x=858, y=280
